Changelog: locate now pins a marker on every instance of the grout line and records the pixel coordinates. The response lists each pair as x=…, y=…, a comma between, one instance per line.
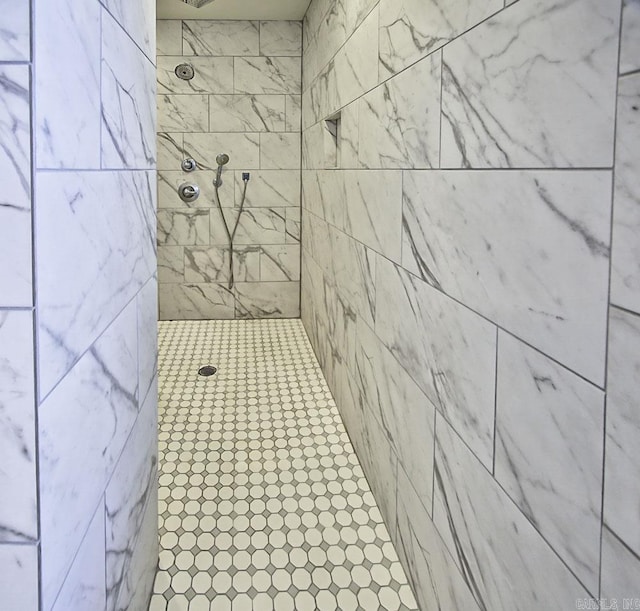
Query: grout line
x=495, y=404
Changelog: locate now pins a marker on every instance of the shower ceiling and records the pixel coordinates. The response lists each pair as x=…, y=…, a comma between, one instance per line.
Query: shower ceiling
x=233, y=9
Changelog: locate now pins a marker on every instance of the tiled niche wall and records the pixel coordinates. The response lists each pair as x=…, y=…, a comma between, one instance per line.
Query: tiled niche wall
x=78, y=305
x=244, y=100
x=476, y=317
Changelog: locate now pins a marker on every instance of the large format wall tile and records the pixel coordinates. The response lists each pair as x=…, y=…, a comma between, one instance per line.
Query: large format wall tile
x=183, y=113
x=447, y=350
x=128, y=493
x=168, y=37
x=622, y=462
x=549, y=452
x=630, y=43
x=68, y=102
x=211, y=75
x=147, y=338
x=531, y=252
x=243, y=149
x=228, y=38
x=620, y=570
x=108, y=219
x=84, y=586
x=281, y=38
x=15, y=32
x=280, y=151
x=269, y=189
x=18, y=510
x=437, y=582
x=267, y=299
x=128, y=101
x=412, y=29
x=246, y=113
x=543, y=98
x=625, y=272
x=100, y=398
x=399, y=122
x=195, y=301
x=267, y=75
x=19, y=577
x=506, y=561
x=15, y=203
x=136, y=19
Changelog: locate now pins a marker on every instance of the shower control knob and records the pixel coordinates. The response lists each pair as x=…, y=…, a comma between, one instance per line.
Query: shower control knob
x=188, y=192
x=189, y=165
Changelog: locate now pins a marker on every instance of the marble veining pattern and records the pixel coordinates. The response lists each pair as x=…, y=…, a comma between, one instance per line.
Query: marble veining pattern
x=559, y=68
x=15, y=32
x=15, y=202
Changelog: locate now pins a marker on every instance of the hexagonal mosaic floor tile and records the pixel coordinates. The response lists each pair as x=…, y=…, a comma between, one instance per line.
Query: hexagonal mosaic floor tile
x=263, y=504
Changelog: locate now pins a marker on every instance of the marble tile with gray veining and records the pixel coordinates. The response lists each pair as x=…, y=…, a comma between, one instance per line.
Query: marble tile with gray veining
x=620, y=571
x=211, y=75
x=183, y=227
x=246, y=113
x=625, y=255
x=324, y=98
x=630, y=41
x=353, y=272
x=506, y=562
x=170, y=151
x=147, y=337
x=374, y=451
x=168, y=37
x=267, y=299
x=210, y=37
x=280, y=263
x=560, y=69
x=437, y=581
x=128, y=101
x=622, y=461
x=15, y=201
x=280, y=151
x=324, y=194
x=269, y=189
x=133, y=484
x=67, y=107
x=549, y=452
x=412, y=29
x=183, y=113
x=138, y=19
x=15, y=32
x=356, y=11
x=406, y=415
x=373, y=210
x=84, y=585
x=170, y=181
x=138, y=580
x=195, y=302
x=356, y=64
x=349, y=117
x=281, y=38
x=243, y=150
x=332, y=31
x=399, y=122
x=19, y=577
x=293, y=113
x=293, y=225
x=267, y=75
x=531, y=252
x=316, y=143
x=18, y=510
x=110, y=233
x=447, y=349
x=211, y=264
x=261, y=226
x=170, y=264
x=100, y=398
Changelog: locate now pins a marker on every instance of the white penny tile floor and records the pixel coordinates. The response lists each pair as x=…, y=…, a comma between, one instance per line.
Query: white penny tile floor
x=263, y=504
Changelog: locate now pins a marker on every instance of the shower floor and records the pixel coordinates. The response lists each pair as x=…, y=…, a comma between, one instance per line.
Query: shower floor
x=263, y=504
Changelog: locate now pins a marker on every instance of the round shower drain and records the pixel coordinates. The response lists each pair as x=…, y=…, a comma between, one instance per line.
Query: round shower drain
x=207, y=370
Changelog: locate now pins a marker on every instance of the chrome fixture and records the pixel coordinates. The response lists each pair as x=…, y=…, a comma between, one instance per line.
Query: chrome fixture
x=185, y=72
x=188, y=192
x=222, y=159
x=189, y=165
x=197, y=3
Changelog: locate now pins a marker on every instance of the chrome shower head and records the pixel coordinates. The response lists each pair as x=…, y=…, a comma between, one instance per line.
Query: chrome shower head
x=222, y=159
x=185, y=72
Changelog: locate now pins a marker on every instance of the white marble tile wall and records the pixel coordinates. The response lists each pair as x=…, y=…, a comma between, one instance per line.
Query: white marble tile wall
x=471, y=285
x=79, y=364
x=244, y=100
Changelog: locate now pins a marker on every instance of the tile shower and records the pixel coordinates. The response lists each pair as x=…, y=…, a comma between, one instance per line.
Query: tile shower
x=244, y=100
x=470, y=286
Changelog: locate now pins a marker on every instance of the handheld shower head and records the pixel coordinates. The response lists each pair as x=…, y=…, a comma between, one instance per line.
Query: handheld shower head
x=222, y=159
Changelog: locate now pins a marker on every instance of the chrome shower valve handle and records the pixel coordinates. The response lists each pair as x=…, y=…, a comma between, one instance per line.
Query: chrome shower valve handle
x=188, y=192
